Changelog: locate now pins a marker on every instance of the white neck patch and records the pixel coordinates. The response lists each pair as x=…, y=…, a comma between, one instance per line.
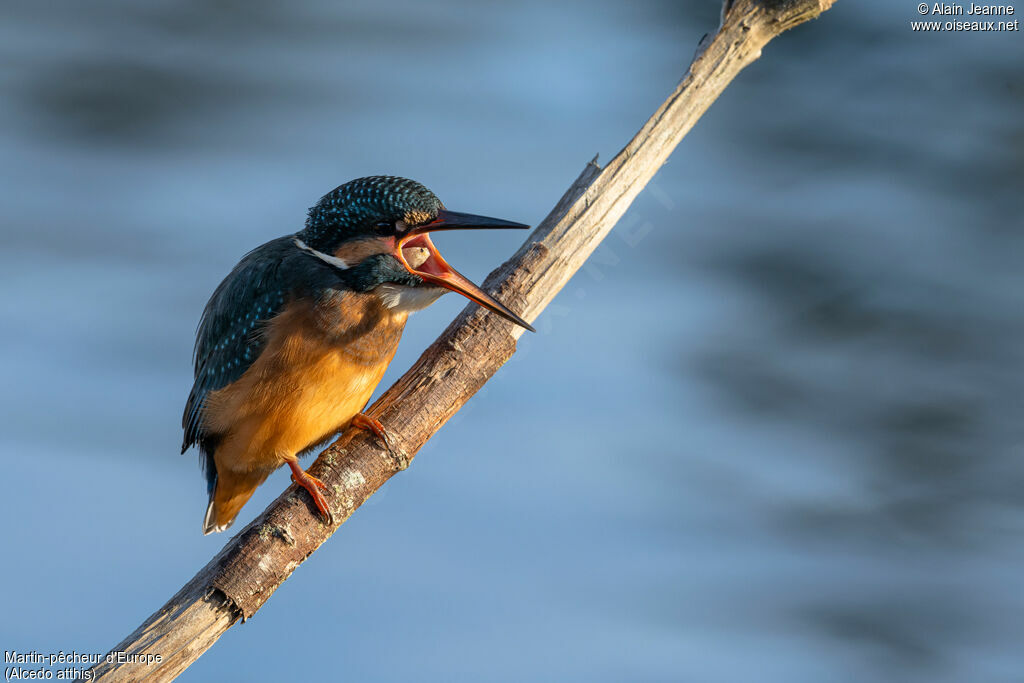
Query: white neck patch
x=326, y=258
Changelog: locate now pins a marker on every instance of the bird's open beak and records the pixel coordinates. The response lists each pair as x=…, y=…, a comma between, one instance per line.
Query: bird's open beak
x=430, y=265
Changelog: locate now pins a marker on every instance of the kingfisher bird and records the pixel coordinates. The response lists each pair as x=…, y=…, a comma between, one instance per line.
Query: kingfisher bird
x=293, y=342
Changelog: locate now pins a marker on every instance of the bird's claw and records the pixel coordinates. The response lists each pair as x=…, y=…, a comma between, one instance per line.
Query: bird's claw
x=363, y=421
x=314, y=486
x=371, y=424
x=313, y=480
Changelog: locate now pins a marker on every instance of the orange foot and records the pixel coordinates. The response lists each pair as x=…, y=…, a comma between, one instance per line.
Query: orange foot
x=313, y=485
x=370, y=424
x=363, y=421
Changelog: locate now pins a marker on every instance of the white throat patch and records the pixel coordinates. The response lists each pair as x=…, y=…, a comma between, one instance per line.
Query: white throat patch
x=405, y=299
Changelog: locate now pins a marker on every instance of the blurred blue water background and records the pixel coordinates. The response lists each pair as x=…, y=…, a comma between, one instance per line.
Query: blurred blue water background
x=772, y=432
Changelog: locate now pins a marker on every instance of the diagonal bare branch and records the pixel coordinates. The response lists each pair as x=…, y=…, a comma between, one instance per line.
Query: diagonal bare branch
x=240, y=579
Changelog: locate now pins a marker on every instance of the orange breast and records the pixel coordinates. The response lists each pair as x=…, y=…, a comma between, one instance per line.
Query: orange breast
x=318, y=368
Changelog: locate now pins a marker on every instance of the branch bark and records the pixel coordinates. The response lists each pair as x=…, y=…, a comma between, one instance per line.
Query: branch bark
x=240, y=579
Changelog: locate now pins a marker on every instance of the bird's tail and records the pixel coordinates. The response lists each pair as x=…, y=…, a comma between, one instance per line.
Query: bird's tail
x=227, y=497
x=210, y=524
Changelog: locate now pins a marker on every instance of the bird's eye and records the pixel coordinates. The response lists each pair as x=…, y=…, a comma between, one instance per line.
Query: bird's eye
x=385, y=228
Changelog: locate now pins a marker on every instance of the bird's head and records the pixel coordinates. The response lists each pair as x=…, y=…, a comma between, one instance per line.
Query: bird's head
x=375, y=231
